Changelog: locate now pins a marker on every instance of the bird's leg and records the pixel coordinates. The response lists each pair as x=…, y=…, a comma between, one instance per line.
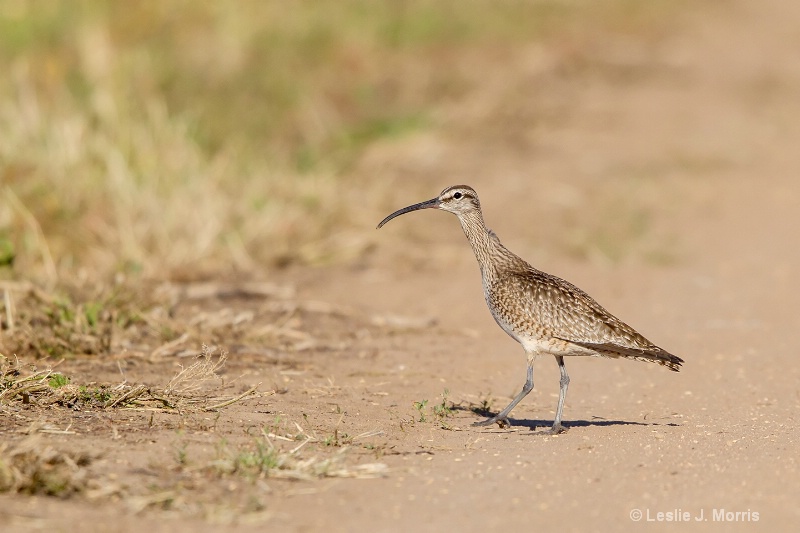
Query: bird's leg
x=562, y=395
x=502, y=417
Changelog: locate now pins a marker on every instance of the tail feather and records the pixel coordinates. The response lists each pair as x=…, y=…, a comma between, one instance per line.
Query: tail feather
x=650, y=355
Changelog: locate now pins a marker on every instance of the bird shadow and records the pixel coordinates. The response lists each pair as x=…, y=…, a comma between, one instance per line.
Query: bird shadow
x=533, y=424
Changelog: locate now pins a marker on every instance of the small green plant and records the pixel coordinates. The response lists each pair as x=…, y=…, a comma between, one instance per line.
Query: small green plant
x=259, y=461
x=442, y=410
x=7, y=253
x=252, y=462
x=485, y=406
x=337, y=439
x=92, y=312
x=94, y=394
x=63, y=311
x=420, y=406
x=57, y=381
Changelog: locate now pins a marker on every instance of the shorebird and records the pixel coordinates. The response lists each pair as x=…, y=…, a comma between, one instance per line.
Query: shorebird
x=542, y=312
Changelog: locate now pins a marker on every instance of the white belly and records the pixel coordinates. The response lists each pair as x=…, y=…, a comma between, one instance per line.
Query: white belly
x=542, y=346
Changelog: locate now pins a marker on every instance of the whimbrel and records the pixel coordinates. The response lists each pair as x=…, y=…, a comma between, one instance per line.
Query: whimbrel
x=544, y=313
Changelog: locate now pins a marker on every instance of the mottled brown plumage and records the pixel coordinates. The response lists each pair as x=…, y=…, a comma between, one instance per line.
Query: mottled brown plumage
x=544, y=313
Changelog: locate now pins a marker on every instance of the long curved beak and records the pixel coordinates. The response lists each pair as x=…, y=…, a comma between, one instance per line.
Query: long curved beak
x=430, y=204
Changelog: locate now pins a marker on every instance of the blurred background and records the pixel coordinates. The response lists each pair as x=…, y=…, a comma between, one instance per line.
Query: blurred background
x=160, y=159
x=187, y=139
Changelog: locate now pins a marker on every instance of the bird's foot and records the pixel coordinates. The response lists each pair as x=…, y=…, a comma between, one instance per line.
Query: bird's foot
x=501, y=421
x=558, y=428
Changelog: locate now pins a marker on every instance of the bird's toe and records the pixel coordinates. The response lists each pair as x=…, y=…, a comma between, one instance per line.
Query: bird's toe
x=502, y=422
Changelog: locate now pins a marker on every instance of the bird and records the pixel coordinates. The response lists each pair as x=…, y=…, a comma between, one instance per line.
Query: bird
x=546, y=314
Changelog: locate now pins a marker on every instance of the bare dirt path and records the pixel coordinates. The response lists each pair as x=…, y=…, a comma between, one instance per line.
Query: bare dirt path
x=708, y=116
x=666, y=188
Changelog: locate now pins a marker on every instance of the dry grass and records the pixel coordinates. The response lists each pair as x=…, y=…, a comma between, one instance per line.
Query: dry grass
x=193, y=388
x=157, y=322
x=255, y=466
x=263, y=458
x=34, y=467
x=68, y=320
x=184, y=139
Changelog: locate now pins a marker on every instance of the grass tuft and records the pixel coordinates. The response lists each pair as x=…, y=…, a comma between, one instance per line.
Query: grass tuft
x=190, y=390
x=263, y=459
x=33, y=467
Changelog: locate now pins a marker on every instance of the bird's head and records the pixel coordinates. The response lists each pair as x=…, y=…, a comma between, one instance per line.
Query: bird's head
x=458, y=199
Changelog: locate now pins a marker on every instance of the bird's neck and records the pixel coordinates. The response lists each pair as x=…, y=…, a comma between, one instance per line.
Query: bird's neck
x=483, y=241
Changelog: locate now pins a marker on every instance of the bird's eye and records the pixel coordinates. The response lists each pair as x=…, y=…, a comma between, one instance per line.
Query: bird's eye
x=458, y=196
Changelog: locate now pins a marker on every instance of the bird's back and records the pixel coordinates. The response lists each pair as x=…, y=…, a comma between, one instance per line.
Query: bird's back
x=552, y=312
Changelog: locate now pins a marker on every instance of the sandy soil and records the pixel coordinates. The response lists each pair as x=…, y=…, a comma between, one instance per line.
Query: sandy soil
x=680, y=158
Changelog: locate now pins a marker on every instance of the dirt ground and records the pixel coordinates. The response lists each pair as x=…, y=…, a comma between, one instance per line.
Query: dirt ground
x=666, y=188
